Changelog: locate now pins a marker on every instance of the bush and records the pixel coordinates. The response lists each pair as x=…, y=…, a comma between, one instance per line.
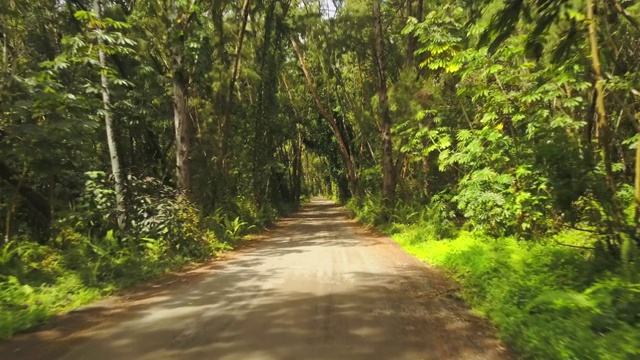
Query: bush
x=436, y=220
x=89, y=256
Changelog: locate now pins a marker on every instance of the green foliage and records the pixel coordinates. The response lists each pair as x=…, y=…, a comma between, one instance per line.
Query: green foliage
x=232, y=230
x=491, y=132
x=23, y=305
x=548, y=301
x=437, y=219
x=370, y=211
x=88, y=257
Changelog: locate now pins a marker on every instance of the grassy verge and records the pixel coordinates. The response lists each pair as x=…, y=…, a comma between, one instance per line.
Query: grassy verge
x=548, y=301
x=557, y=298
x=38, y=281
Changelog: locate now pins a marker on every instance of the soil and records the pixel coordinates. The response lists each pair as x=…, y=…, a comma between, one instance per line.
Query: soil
x=317, y=286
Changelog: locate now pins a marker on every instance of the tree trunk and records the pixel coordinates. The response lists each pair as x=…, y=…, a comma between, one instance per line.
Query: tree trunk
x=637, y=186
x=178, y=34
x=111, y=137
x=388, y=168
x=226, y=120
x=182, y=127
x=297, y=169
x=342, y=145
x=5, y=47
x=604, y=131
x=412, y=40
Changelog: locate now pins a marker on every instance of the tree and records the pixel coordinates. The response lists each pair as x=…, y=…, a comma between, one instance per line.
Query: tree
x=388, y=166
x=109, y=125
x=328, y=116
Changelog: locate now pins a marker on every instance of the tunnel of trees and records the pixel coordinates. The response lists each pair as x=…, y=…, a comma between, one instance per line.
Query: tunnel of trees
x=137, y=135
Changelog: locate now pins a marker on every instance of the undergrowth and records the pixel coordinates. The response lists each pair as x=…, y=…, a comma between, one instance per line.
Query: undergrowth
x=88, y=257
x=561, y=297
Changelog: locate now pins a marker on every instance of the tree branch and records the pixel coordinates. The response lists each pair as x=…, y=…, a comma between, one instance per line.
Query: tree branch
x=625, y=14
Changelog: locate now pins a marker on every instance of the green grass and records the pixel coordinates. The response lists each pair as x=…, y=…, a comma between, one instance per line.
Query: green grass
x=23, y=306
x=548, y=301
x=88, y=257
x=38, y=282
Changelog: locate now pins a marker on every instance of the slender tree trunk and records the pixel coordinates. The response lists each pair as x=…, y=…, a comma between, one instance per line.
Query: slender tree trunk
x=637, y=187
x=111, y=137
x=5, y=47
x=388, y=167
x=226, y=121
x=604, y=131
x=5, y=40
x=412, y=44
x=342, y=144
x=297, y=162
x=297, y=168
x=412, y=40
x=182, y=128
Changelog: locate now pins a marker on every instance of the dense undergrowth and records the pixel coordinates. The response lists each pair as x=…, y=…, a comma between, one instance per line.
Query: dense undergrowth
x=561, y=297
x=88, y=257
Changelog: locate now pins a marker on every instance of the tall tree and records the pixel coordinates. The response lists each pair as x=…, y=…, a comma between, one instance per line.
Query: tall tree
x=228, y=106
x=328, y=116
x=388, y=167
x=604, y=129
x=180, y=17
x=109, y=125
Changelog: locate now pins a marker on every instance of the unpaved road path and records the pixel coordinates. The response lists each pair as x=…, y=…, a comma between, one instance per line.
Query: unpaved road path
x=317, y=287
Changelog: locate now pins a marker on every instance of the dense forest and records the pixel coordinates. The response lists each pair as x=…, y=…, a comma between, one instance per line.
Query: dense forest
x=497, y=139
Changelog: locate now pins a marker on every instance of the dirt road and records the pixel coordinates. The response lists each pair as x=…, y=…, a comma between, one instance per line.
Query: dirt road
x=318, y=287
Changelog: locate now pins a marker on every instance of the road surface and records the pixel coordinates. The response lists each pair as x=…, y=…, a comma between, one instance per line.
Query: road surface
x=317, y=287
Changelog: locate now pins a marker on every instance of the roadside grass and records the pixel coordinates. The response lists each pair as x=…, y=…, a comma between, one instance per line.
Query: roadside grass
x=38, y=282
x=548, y=301
x=554, y=298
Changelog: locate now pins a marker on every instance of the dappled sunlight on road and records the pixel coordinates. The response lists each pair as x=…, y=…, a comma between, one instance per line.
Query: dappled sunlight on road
x=314, y=289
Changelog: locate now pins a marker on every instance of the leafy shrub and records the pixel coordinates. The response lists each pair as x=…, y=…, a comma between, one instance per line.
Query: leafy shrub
x=89, y=256
x=436, y=220
x=370, y=211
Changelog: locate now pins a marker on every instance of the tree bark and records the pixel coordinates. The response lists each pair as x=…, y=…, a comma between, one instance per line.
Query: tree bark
x=637, y=182
x=388, y=168
x=342, y=145
x=604, y=131
x=5, y=47
x=182, y=127
x=637, y=187
x=297, y=169
x=297, y=162
x=111, y=137
x=412, y=40
x=226, y=120
x=180, y=81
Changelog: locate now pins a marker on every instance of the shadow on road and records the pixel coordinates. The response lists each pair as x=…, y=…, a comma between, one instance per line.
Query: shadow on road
x=234, y=309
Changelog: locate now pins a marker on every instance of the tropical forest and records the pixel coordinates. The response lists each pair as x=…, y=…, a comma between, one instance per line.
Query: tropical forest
x=496, y=141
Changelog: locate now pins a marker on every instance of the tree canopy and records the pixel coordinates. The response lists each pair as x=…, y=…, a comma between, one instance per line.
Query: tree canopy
x=163, y=119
